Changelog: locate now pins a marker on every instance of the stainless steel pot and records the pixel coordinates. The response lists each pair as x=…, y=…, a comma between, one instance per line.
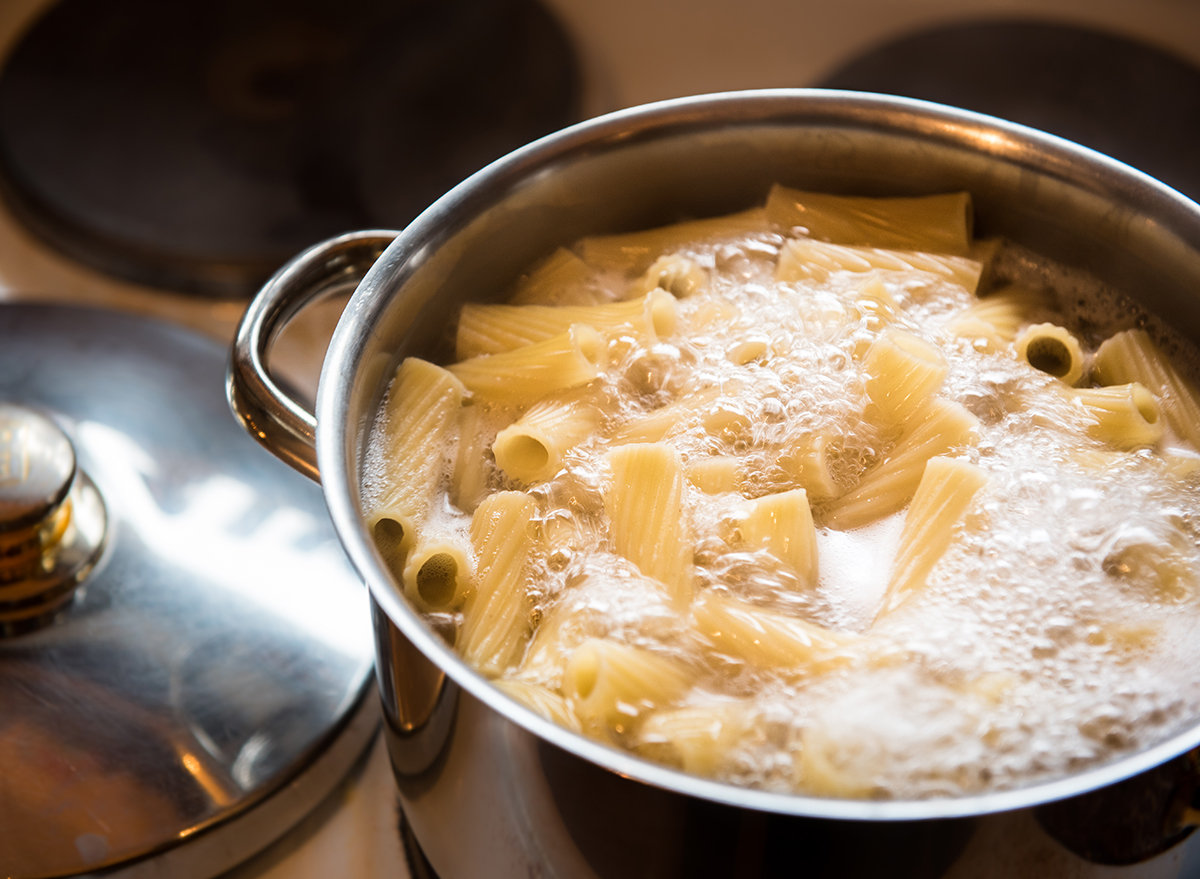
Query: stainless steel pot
x=494, y=790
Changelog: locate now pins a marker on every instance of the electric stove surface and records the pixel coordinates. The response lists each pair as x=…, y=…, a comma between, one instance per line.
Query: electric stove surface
x=630, y=52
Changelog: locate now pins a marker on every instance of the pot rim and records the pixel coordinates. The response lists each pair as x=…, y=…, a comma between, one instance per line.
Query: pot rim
x=1006, y=141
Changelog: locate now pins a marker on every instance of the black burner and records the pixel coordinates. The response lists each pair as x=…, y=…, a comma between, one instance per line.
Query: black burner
x=197, y=144
x=1132, y=101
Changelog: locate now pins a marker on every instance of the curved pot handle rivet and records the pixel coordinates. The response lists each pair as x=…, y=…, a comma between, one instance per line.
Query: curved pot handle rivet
x=286, y=428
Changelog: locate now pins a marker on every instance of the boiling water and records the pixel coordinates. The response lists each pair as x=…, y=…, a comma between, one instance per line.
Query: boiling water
x=1034, y=648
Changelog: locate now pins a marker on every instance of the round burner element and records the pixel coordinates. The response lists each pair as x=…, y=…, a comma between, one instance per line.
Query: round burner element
x=197, y=145
x=1134, y=102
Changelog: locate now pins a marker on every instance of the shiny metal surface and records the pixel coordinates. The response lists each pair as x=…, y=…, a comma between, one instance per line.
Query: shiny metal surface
x=52, y=521
x=220, y=653
x=282, y=425
x=634, y=169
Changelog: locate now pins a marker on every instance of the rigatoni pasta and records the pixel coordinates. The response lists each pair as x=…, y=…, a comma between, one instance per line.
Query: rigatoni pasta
x=791, y=498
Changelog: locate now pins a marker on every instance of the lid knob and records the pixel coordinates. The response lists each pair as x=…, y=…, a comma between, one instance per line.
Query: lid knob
x=52, y=520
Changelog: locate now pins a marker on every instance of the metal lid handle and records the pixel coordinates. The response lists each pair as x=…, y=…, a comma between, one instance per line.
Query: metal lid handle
x=286, y=428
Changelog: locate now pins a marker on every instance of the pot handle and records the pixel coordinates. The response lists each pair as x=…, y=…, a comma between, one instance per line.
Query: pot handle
x=286, y=428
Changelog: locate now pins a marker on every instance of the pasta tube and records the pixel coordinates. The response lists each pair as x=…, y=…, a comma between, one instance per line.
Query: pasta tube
x=1131, y=356
x=675, y=274
x=496, y=620
x=1053, y=350
x=658, y=424
x=1127, y=416
x=938, y=427
x=469, y=479
x=903, y=371
x=534, y=371
x=609, y=684
x=782, y=524
x=437, y=574
x=715, y=475
x=562, y=275
x=932, y=223
x=644, y=503
x=769, y=639
x=540, y=700
x=946, y=490
x=808, y=466
x=419, y=418
x=532, y=449
x=803, y=259
x=695, y=738
x=633, y=252
x=492, y=329
x=995, y=320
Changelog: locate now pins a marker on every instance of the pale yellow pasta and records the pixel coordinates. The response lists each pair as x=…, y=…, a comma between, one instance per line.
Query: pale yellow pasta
x=531, y=450
x=995, y=320
x=609, y=684
x=644, y=504
x=675, y=274
x=472, y=470
x=803, y=259
x=660, y=423
x=561, y=279
x=808, y=465
x=770, y=639
x=946, y=490
x=1053, y=350
x=903, y=372
x=1127, y=416
x=695, y=738
x=715, y=475
x=492, y=329
x=782, y=524
x=747, y=351
x=633, y=252
x=540, y=700
x=1131, y=356
x=827, y=766
x=726, y=421
x=437, y=573
x=940, y=426
x=534, y=371
x=933, y=223
x=496, y=620
x=420, y=416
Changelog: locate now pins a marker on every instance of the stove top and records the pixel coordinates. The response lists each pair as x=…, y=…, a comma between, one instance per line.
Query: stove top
x=628, y=52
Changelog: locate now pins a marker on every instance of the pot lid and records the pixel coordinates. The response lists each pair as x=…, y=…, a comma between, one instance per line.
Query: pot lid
x=185, y=654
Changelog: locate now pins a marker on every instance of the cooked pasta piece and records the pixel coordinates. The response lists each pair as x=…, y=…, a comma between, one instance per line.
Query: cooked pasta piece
x=496, y=618
x=658, y=424
x=492, y=329
x=771, y=639
x=808, y=465
x=903, y=372
x=437, y=574
x=695, y=738
x=675, y=274
x=609, y=684
x=420, y=416
x=561, y=279
x=995, y=320
x=1127, y=416
x=1131, y=356
x=715, y=475
x=472, y=470
x=946, y=490
x=633, y=252
x=532, y=449
x=782, y=524
x=932, y=223
x=1053, y=350
x=747, y=351
x=540, y=700
x=938, y=427
x=527, y=374
x=644, y=503
x=805, y=260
